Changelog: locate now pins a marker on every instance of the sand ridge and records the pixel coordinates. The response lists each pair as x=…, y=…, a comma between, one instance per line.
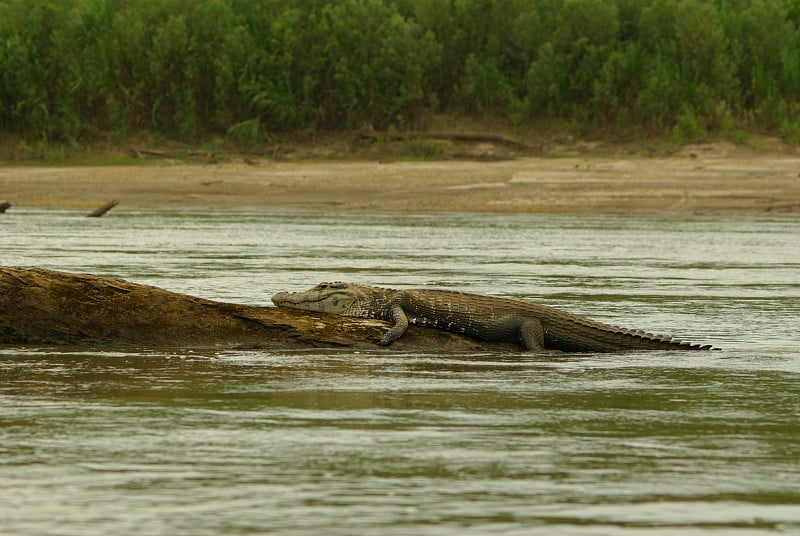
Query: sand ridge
x=713, y=183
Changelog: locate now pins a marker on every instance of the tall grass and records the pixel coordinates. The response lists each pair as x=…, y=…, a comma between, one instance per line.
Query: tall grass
x=76, y=69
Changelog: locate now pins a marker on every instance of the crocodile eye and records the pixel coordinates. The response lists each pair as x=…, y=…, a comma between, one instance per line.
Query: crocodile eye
x=329, y=286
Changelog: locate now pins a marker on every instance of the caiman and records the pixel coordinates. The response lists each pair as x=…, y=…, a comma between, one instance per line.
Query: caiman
x=486, y=318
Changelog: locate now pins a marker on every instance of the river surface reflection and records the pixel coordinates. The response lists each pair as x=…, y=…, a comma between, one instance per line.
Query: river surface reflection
x=175, y=441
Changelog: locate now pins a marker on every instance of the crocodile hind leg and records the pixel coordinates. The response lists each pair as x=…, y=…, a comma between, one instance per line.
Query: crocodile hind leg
x=531, y=332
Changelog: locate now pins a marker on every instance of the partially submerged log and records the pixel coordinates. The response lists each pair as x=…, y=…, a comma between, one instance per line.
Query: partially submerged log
x=55, y=308
x=102, y=209
x=4, y=205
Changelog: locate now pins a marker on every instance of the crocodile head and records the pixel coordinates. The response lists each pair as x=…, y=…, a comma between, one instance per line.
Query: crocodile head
x=338, y=298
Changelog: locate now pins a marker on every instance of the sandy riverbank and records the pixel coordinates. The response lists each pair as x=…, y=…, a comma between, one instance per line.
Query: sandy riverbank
x=709, y=180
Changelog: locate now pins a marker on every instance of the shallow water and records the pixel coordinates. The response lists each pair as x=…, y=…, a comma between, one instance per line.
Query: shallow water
x=127, y=441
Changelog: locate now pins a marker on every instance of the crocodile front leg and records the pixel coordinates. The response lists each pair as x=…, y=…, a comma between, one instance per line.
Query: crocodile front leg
x=400, y=325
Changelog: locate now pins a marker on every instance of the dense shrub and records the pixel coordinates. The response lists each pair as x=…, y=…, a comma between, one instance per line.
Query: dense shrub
x=72, y=69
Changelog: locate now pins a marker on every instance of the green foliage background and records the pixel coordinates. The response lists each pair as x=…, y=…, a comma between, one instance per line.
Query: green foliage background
x=76, y=69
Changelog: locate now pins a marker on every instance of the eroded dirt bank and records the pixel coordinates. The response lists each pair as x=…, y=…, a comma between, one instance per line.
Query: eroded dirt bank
x=710, y=181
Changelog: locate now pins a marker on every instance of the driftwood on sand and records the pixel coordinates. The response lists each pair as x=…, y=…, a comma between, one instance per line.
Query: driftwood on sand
x=55, y=308
x=372, y=137
x=102, y=209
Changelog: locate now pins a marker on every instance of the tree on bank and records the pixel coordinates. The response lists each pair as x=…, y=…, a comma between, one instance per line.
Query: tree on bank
x=78, y=69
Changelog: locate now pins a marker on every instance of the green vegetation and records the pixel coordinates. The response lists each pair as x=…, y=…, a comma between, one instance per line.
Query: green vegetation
x=189, y=69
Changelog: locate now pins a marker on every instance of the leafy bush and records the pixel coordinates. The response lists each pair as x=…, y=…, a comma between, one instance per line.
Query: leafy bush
x=77, y=69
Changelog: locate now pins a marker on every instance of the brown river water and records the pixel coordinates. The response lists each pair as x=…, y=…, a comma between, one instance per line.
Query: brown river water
x=165, y=441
